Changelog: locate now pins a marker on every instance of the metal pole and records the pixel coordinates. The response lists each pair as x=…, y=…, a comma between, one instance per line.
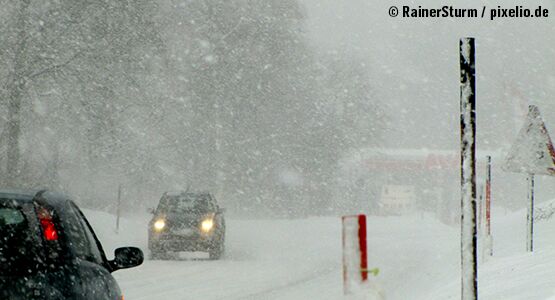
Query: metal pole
x=530, y=215
x=118, y=209
x=468, y=171
x=481, y=211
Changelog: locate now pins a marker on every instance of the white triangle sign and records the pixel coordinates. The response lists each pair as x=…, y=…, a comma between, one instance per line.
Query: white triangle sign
x=532, y=151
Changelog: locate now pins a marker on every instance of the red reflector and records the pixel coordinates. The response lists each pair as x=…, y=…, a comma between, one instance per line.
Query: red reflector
x=48, y=228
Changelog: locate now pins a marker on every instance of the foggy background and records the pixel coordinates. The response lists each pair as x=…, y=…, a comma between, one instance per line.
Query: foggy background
x=266, y=104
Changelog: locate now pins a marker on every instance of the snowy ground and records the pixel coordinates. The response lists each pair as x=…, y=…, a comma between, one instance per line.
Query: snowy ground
x=418, y=258
x=512, y=273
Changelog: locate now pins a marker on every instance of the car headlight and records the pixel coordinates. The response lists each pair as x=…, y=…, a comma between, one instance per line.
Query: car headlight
x=159, y=225
x=207, y=225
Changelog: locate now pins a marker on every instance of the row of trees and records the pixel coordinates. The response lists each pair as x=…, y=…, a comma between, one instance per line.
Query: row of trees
x=212, y=95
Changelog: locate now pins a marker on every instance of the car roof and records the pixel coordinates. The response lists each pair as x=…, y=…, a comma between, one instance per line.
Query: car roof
x=189, y=193
x=51, y=198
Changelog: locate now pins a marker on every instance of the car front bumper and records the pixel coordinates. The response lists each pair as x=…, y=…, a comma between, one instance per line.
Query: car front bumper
x=193, y=241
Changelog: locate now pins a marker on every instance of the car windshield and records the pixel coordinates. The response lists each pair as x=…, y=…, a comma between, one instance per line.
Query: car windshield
x=19, y=244
x=184, y=203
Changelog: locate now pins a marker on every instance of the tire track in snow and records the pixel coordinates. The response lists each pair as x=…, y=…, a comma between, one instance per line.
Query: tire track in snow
x=292, y=284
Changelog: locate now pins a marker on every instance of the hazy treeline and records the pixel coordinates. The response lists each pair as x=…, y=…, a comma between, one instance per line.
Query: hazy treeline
x=226, y=96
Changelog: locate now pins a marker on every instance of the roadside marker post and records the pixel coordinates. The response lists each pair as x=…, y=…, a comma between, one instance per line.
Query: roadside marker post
x=118, y=209
x=355, y=254
x=489, y=238
x=530, y=215
x=469, y=272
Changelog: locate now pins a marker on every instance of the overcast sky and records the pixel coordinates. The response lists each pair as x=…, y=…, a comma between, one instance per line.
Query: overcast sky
x=414, y=66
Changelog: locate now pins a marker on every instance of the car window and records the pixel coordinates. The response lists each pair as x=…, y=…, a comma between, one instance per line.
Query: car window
x=95, y=252
x=20, y=251
x=213, y=203
x=79, y=238
x=10, y=216
x=186, y=203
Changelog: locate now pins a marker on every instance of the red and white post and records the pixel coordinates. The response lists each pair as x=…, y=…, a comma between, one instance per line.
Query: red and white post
x=489, y=239
x=355, y=254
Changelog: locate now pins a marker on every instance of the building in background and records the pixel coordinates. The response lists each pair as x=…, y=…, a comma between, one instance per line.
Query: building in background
x=382, y=181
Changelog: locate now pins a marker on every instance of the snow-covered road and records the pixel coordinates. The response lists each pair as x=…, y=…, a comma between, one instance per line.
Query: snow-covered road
x=418, y=258
x=288, y=259
x=263, y=259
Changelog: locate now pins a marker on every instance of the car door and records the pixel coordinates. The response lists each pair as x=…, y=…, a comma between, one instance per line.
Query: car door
x=96, y=280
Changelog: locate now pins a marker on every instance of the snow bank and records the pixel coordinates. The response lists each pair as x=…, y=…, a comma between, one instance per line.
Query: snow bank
x=512, y=273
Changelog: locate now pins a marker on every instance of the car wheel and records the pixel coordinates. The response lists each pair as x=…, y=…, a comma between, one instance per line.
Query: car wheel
x=157, y=255
x=217, y=252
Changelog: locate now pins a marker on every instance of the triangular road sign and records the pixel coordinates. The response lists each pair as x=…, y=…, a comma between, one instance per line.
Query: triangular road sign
x=532, y=152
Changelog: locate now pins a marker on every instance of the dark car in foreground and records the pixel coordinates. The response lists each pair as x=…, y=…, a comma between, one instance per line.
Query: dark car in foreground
x=187, y=221
x=48, y=250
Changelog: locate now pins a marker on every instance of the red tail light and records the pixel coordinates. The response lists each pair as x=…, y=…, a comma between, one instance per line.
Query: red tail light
x=48, y=228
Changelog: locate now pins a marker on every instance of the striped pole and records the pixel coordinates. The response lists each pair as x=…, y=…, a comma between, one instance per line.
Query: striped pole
x=468, y=171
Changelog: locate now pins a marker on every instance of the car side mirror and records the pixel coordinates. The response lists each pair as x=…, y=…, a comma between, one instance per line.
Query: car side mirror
x=221, y=210
x=150, y=210
x=126, y=257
